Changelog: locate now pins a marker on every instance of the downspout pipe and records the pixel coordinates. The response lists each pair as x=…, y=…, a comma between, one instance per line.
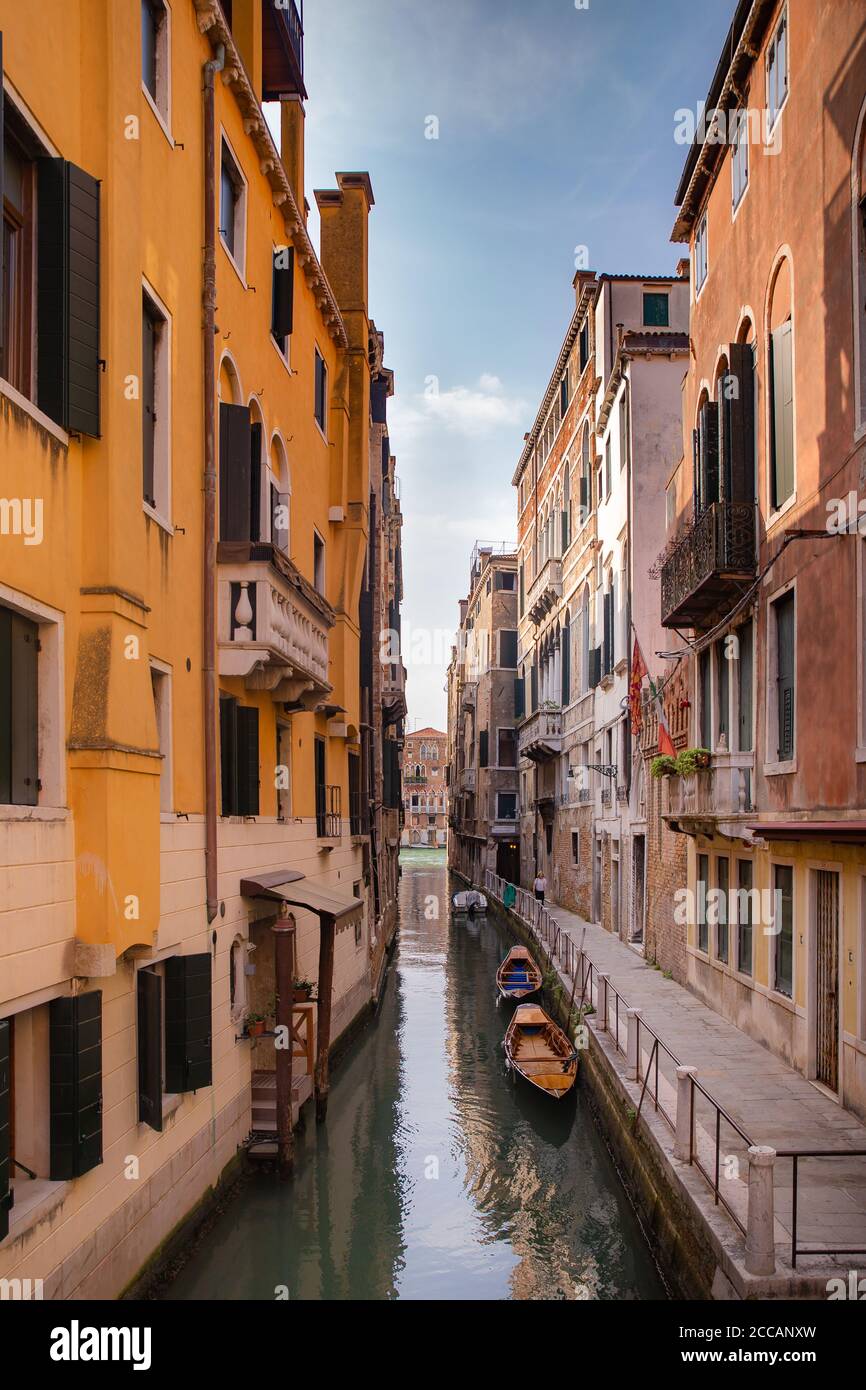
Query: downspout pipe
x=213, y=66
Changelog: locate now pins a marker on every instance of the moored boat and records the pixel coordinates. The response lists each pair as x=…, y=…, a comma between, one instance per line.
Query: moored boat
x=470, y=903
x=539, y=1050
x=518, y=976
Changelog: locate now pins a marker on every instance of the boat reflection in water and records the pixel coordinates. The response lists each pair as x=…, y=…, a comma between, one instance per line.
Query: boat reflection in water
x=438, y=1175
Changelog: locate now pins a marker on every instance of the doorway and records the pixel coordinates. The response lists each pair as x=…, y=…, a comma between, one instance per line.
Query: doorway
x=638, y=880
x=596, y=879
x=827, y=978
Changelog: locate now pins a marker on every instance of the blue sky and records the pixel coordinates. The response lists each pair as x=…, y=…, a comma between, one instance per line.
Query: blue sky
x=555, y=130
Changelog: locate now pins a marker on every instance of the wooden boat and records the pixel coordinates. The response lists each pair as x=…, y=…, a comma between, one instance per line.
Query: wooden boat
x=469, y=903
x=537, y=1048
x=518, y=976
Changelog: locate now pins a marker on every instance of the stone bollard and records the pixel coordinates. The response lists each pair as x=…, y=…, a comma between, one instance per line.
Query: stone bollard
x=682, y=1137
x=601, y=1006
x=760, y=1223
x=633, y=1017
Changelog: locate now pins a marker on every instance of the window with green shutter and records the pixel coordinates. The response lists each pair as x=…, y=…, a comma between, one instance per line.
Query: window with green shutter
x=784, y=613
x=783, y=924
x=188, y=1065
x=781, y=414
x=19, y=710
x=75, y=1088
x=282, y=295
x=149, y=1009
x=703, y=875
x=235, y=465
x=745, y=669
x=656, y=309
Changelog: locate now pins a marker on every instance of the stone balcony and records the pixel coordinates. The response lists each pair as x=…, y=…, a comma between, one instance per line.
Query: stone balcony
x=468, y=779
x=712, y=798
x=272, y=625
x=394, y=689
x=540, y=737
x=545, y=591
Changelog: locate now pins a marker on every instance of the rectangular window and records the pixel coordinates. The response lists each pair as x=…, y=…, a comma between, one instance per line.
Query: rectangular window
x=161, y=685
x=745, y=915
x=318, y=563
x=17, y=206
x=283, y=772
x=483, y=740
x=155, y=421
x=506, y=806
x=321, y=788
x=703, y=874
x=321, y=392
x=19, y=710
x=232, y=207
x=656, y=309
x=723, y=668
x=781, y=414
x=239, y=758
x=784, y=615
x=623, y=428
x=783, y=926
x=723, y=869
x=584, y=344
x=740, y=158
x=701, y=255
x=506, y=580
x=777, y=70
x=745, y=668
x=155, y=54
x=705, y=677
x=282, y=296
x=575, y=847
x=506, y=752
x=508, y=648
x=607, y=469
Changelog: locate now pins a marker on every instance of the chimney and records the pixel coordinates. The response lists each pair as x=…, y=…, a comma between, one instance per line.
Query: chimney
x=684, y=269
x=344, y=213
x=580, y=282
x=292, y=118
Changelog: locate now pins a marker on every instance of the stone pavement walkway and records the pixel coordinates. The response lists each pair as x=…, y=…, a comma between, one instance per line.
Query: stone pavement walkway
x=770, y=1101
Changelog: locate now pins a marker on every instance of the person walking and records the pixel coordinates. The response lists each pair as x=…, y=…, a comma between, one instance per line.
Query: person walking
x=540, y=886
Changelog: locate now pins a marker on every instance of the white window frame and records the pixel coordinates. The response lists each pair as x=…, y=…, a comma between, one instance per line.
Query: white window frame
x=772, y=766
x=740, y=163
x=162, y=400
x=163, y=710
x=701, y=254
x=773, y=938
x=322, y=428
x=771, y=52
x=239, y=256
x=319, y=588
x=50, y=695
x=160, y=104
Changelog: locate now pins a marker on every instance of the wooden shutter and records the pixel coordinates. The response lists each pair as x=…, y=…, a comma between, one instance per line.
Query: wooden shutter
x=738, y=425
x=68, y=295
x=709, y=454
x=584, y=497
x=280, y=508
x=519, y=698
x=522, y=590
x=75, y=1084
x=150, y=1049
x=782, y=413
x=19, y=710
x=566, y=664
x=483, y=739
x=594, y=667
x=786, y=676
x=696, y=473
x=565, y=535
x=148, y=401
x=563, y=395
x=5, y=1120
x=228, y=759
x=607, y=640
x=247, y=760
x=188, y=1064
x=365, y=617
x=745, y=669
x=705, y=678
x=282, y=306
x=235, y=483
x=255, y=532
x=533, y=687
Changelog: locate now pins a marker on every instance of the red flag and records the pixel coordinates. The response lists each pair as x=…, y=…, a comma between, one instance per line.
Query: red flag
x=638, y=671
x=666, y=743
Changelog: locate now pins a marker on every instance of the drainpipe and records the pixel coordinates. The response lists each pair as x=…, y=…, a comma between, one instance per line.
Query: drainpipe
x=215, y=65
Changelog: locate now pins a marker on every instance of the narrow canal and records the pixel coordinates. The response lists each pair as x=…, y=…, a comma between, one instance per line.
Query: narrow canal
x=437, y=1176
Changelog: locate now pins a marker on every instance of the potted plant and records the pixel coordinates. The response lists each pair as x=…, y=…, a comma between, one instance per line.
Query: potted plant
x=664, y=766
x=254, y=1025
x=691, y=760
x=303, y=991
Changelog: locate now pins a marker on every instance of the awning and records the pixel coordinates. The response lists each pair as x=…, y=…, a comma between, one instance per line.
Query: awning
x=852, y=832
x=290, y=886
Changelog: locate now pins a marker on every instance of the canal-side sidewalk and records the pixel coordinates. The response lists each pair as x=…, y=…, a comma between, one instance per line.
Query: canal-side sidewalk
x=773, y=1104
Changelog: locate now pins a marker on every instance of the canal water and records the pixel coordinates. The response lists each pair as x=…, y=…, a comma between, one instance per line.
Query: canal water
x=437, y=1175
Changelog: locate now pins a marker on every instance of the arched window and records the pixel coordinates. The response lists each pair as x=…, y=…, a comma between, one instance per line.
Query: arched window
x=259, y=497
x=566, y=508
x=565, y=658
x=780, y=393
x=279, y=496
x=585, y=478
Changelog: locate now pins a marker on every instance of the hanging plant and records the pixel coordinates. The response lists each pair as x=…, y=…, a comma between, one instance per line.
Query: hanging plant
x=690, y=760
x=664, y=766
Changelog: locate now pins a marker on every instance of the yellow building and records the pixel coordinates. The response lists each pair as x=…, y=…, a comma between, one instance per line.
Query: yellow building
x=184, y=501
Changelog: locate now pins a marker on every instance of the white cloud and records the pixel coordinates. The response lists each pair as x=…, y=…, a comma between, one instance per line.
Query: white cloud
x=472, y=411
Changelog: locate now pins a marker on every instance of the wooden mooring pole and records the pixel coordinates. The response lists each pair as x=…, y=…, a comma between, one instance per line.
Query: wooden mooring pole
x=327, y=932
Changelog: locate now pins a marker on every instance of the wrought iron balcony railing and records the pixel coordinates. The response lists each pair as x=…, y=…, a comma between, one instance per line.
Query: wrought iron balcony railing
x=710, y=566
x=329, y=812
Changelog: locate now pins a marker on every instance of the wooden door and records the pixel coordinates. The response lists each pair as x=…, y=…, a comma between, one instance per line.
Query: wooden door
x=827, y=977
